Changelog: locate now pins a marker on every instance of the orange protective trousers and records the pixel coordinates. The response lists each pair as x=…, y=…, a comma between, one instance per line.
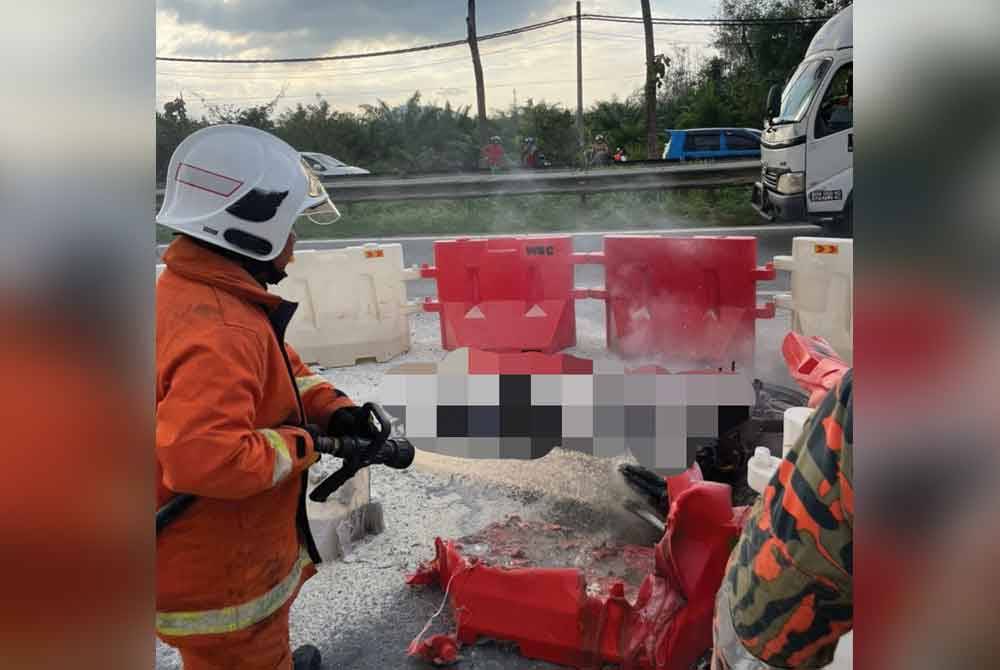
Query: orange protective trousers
x=263, y=646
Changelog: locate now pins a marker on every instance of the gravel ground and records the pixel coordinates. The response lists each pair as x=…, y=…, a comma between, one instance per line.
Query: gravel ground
x=360, y=613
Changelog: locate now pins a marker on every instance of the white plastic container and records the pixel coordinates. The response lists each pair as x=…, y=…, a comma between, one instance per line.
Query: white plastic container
x=794, y=424
x=822, y=297
x=761, y=469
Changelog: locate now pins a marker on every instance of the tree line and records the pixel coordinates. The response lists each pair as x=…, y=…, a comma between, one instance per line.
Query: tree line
x=727, y=89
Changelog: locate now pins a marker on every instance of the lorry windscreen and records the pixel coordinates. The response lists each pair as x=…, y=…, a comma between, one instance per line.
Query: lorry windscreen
x=801, y=88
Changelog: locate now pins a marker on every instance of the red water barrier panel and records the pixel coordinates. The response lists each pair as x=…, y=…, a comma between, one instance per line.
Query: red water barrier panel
x=505, y=293
x=527, y=363
x=684, y=298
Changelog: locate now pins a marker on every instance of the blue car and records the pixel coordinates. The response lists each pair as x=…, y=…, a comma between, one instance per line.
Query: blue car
x=711, y=144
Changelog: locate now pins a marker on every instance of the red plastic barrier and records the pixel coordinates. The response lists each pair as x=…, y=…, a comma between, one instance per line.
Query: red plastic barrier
x=529, y=363
x=813, y=363
x=505, y=294
x=437, y=649
x=547, y=613
x=672, y=626
x=539, y=608
x=684, y=298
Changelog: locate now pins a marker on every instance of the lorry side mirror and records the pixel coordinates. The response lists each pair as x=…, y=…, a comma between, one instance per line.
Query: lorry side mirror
x=773, y=102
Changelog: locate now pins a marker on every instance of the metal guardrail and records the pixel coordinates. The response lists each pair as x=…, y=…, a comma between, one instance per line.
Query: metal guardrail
x=603, y=180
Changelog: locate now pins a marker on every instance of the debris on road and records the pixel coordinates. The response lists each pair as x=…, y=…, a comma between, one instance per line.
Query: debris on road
x=573, y=616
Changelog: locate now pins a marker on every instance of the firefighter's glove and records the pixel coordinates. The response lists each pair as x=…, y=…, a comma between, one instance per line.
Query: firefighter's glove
x=351, y=422
x=322, y=443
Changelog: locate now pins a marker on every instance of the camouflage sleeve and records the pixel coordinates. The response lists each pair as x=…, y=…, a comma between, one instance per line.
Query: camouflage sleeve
x=790, y=576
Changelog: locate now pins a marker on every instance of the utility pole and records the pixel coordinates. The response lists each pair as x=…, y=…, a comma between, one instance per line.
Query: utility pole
x=647, y=22
x=477, y=66
x=579, y=82
x=516, y=115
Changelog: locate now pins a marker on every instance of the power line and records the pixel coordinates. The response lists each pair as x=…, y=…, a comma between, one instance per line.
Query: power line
x=371, y=54
x=341, y=74
x=508, y=33
x=792, y=20
x=611, y=37
x=330, y=67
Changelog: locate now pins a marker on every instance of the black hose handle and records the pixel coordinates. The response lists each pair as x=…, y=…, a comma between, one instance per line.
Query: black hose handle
x=173, y=509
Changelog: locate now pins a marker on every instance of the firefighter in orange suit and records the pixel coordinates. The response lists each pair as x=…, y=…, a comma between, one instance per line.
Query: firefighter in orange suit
x=236, y=409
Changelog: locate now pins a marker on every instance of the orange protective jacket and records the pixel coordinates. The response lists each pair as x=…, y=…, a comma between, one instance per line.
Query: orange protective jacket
x=229, y=402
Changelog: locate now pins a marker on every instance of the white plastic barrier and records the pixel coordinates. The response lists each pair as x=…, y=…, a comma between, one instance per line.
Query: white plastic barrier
x=794, y=425
x=160, y=267
x=352, y=304
x=763, y=465
x=822, y=297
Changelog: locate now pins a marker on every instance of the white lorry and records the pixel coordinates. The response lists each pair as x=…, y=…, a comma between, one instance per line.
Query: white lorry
x=807, y=149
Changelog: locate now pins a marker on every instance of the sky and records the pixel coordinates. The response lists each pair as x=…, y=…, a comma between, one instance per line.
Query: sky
x=540, y=65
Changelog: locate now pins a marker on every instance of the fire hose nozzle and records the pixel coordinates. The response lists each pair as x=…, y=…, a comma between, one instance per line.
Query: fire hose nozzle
x=358, y=452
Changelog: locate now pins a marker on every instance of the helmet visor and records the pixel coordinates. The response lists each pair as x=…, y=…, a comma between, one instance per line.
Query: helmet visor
x=319, y=209
x=322, y=213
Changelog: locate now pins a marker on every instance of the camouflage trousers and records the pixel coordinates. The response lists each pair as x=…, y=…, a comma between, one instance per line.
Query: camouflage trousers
x=728, y=652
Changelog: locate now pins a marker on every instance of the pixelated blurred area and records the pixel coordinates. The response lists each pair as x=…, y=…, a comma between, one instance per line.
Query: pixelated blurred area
x=661, y=419
x=76, y=325
x=926, y=315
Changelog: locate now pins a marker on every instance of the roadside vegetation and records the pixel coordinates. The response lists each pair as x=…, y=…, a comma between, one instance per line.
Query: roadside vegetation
x=534, y=214
x=417, y=138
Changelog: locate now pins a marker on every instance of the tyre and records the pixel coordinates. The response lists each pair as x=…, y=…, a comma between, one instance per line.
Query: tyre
x=842, y=226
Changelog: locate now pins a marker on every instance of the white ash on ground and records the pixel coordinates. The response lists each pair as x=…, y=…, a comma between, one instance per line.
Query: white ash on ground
x=578, y=489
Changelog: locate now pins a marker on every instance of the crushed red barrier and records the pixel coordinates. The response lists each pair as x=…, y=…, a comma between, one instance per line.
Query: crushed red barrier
x=813, y=364
x=438, y=649
x=561, y=616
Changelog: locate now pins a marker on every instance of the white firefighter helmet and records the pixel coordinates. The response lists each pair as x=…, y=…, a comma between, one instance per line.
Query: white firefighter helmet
x=241, y=189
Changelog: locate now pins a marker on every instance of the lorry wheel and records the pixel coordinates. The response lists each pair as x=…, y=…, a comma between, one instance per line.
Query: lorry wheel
x=847, y=225
x=843, y=226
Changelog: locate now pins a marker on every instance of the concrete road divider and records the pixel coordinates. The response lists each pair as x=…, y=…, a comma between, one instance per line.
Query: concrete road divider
x=346, y=517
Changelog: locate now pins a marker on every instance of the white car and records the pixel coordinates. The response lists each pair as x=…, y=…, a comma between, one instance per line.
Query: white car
x=328, y=166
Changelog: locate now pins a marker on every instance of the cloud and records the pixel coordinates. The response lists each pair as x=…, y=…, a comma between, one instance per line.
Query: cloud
x=540, y=65
x=325, y=22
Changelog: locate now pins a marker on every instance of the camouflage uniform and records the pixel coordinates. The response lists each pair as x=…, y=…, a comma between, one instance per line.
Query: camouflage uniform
x=787, y=595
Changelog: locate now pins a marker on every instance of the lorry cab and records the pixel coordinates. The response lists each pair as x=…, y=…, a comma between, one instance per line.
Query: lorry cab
x=807, y=148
